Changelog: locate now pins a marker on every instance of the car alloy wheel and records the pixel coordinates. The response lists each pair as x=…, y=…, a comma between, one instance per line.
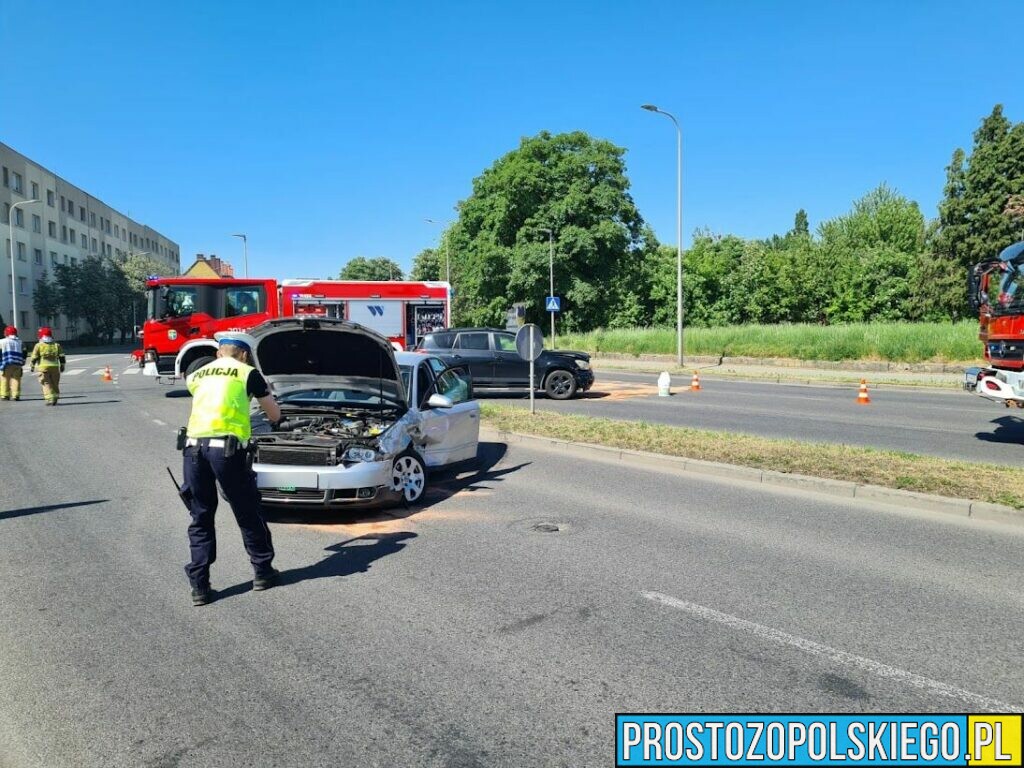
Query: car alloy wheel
x=408, y=477
x=560, y=385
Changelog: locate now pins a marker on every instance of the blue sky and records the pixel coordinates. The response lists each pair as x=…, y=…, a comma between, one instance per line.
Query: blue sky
x=327, y=130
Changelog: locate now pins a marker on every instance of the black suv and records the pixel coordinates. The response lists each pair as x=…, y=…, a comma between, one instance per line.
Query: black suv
x=492, y=359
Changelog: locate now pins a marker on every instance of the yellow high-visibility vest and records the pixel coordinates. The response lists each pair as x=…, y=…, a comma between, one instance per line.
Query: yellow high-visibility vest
x=220, y=403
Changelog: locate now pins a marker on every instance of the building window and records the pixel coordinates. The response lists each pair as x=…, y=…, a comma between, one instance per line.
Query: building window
x=92, y=220
x=37, y=224
x=63, y=233
x=117, y=231
x=35, y=191
x=7, y=213
x=74, y=261
x=49, y=197
x=85, y=242
x=94, y=245
x=81, y=212
x=19, y=217
x=21, y=252
x=53, y=258
x=22, y=286
x=24, y=316
x=16, y=186
x=65, y=258
x=52, y=228
x=7, y=180
x=74, y=237
x=63, y=202
x=39, y=256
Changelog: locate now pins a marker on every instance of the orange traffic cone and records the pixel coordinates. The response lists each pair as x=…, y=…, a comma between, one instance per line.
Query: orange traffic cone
x=695, y=382
x=862, y=395
x=106, y=375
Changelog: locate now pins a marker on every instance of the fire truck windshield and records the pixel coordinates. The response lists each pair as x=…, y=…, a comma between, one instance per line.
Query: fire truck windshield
x=170, y=301
x=1011, y=291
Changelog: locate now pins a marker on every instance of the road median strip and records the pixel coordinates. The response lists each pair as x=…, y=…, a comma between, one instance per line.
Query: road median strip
x=988, y=491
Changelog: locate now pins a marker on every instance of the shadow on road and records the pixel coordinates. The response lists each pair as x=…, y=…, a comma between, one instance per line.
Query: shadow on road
x=176, y=393
x=25, y=511
x=1009, y=429
x=62, y=404
x=348, y=557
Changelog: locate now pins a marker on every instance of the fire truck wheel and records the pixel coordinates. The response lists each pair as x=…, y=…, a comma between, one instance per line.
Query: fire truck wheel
x=198, y=363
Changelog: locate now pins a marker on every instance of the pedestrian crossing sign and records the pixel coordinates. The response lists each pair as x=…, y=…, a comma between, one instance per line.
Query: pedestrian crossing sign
x=553, y=304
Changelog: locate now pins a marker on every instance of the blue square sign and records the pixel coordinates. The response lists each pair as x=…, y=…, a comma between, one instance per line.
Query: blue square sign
x=553, y=304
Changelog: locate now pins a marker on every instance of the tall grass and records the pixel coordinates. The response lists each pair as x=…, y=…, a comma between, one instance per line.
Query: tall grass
x=895, y=342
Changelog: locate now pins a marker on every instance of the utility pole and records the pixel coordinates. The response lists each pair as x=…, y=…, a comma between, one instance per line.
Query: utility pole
x=551, y=277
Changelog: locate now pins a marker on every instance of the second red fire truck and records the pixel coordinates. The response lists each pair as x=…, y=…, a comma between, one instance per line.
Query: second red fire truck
x=183, y=313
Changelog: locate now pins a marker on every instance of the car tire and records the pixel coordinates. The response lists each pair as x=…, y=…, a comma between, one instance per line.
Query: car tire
x=198, y=363
x=560, y=385
x=409, y=477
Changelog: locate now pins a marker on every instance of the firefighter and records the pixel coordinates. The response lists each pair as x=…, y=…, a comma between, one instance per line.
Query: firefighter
x=12, y=362
x=48, y=357
x=215, y=451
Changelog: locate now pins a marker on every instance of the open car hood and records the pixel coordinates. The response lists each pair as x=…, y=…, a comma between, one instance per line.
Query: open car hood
x=304, y=353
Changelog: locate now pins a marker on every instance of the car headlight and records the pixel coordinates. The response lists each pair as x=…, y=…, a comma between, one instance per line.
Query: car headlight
x=360, y=453
x=583, y=365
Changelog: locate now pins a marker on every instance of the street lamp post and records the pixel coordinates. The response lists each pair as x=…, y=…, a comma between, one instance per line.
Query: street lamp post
x=551, y=276
x=14, y=279
x=679, y=229
x=245, y=252
x=444, y=242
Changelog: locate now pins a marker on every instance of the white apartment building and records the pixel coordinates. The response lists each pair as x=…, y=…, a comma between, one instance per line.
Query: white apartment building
x=64, y=227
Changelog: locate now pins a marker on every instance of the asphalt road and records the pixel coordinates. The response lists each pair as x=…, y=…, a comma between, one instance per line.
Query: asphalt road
x=955, y=425
x=470, y=633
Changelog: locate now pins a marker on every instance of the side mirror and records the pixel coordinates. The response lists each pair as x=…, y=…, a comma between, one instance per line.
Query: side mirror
x=138, y=331
x=439, y=401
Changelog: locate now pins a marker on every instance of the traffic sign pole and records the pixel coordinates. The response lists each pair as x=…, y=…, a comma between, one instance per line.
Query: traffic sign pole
x=533, y=380
x=529, y=345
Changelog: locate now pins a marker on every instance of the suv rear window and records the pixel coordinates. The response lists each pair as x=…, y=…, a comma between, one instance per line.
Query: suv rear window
x=474, y=341
x=438, y=341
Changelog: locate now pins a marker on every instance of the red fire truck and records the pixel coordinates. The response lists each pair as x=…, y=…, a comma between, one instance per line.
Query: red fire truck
x=184, y=312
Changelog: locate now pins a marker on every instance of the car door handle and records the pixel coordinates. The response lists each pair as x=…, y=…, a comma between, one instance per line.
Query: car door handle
x=474, y=415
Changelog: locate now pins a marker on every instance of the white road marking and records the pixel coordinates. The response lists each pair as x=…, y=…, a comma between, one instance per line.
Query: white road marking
x=74, y=371
x=161, y=423
x=99, y=372
x=130, y=371
x=832, y=654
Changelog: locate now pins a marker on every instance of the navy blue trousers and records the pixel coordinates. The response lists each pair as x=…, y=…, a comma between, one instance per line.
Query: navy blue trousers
x=203, y=468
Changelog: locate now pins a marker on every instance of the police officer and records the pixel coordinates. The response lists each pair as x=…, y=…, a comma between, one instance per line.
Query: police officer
x=215, y=451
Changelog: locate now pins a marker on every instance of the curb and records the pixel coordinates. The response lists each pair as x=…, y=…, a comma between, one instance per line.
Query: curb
x=975, y=510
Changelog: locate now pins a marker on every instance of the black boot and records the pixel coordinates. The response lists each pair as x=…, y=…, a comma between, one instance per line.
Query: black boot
x=201, y=594
x=265, y=580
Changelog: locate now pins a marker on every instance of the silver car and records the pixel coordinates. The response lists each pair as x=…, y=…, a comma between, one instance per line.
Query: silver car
x=358, y=426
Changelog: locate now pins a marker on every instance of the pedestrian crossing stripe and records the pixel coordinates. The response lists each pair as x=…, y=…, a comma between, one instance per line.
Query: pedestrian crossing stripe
x=74, y=371
x=99, y=372
x=130, y=371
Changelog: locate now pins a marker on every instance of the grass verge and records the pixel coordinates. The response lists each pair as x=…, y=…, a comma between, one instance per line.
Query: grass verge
x=891, y=469
x=893, y=342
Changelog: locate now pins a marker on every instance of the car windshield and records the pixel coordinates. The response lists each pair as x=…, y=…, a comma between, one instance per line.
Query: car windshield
x=334, y=396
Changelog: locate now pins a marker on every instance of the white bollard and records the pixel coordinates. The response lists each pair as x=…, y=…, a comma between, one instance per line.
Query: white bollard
x=664, y=384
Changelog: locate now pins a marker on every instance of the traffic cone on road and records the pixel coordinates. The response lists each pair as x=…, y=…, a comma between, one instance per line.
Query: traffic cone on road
x=106, y=375
x=862, y=395
x=695, y=382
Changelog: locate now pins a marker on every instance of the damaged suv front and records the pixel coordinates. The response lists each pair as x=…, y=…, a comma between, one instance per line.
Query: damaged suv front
x=344, y=414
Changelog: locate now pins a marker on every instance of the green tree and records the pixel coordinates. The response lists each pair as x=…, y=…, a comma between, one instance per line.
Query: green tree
x=973, y=223
x=427, y=265
x=801, y=227
x=377, y=268
x=575, y=185
x=46, y=299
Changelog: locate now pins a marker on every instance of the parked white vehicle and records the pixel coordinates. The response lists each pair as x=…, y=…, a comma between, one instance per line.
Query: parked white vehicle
x=358, y=426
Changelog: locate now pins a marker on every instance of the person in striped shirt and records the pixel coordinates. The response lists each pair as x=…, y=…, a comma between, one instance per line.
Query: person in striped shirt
x=12, y=361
